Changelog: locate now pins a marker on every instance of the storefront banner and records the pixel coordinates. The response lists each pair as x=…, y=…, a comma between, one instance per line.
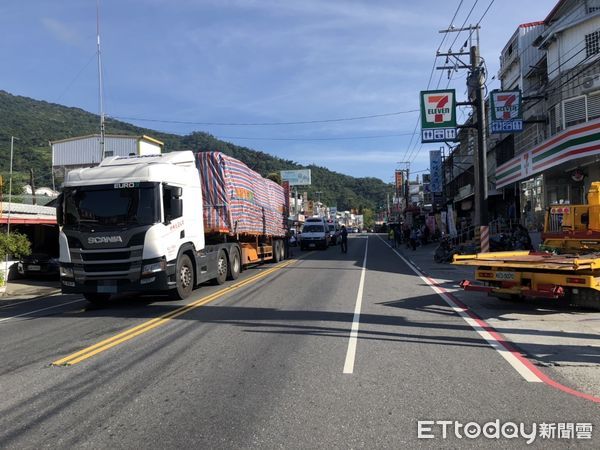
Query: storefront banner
x=435, y=170
x=576, y=142
x=451, y=222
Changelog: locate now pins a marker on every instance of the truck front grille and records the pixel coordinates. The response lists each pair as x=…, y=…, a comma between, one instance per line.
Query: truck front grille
x=113, y=263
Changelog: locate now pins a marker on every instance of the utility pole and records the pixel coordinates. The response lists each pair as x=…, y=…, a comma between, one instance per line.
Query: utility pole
x=100, y=82
x=477, y=101
x=481, y=189
x=12, y=145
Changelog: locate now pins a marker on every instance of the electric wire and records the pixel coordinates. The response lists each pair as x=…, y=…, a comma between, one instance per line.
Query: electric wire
x=303, y=122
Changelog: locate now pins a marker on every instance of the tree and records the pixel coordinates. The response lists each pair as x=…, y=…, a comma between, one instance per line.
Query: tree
x=14, y=244
x=274, y=176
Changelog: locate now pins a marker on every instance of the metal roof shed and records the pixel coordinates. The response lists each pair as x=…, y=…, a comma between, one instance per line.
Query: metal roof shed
x=86, y=150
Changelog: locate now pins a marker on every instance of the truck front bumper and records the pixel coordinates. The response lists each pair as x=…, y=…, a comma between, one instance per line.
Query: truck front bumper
x=155, y=283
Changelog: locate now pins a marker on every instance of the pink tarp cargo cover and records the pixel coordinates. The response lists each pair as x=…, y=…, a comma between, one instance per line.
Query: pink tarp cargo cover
x=237, y=199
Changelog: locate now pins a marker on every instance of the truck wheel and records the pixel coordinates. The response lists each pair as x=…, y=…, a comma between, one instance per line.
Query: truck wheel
x=221, y=268
x=97, y=299
x=235, y=265
x=184, y=277
x=276, y=251
x=282, y=250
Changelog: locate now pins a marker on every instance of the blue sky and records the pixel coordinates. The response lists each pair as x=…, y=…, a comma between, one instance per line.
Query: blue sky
x=255, y=61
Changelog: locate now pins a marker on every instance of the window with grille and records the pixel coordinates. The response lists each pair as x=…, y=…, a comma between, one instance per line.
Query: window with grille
x=555, y=119
x=592, y=43
x=574, y=110
x=593, y=106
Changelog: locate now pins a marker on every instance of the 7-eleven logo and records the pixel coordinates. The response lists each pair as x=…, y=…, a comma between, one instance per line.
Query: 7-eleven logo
x=437, y=107
x=506, y=106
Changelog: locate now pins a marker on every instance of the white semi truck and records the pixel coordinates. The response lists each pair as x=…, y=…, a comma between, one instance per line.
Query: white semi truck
x=165, y=224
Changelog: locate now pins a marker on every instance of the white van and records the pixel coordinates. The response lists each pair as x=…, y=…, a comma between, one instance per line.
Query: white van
x=315, y=234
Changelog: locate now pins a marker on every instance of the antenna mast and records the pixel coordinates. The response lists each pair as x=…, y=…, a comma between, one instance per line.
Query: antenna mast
x=100, y=82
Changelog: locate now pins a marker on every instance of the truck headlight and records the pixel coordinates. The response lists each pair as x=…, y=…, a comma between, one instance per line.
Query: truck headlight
x=153, y=267
x=66, y=272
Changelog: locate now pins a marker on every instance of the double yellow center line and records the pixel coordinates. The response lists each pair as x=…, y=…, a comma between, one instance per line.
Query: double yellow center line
x=131, y=333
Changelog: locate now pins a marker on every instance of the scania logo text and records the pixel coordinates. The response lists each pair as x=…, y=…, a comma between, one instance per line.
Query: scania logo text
x=104, y=239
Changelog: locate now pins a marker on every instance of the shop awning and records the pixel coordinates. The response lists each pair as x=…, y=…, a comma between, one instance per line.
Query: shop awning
x=575, y=142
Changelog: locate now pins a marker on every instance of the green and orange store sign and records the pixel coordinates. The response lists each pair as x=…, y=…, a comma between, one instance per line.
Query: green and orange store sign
x=576, y=142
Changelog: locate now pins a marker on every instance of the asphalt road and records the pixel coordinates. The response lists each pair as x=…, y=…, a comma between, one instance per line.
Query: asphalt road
x=266, y=363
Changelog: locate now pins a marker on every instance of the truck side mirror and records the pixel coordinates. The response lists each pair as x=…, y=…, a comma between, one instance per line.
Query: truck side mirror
x=176, y=191
x=60, y=210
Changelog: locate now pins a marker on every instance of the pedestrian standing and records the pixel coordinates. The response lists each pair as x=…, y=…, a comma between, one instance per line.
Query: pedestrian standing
x=398, y=236
x=344, y=234
x=414, y=236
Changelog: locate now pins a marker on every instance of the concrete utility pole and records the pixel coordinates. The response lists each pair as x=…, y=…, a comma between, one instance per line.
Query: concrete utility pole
x=481, y=185
x=477, y=101
x=100, y=82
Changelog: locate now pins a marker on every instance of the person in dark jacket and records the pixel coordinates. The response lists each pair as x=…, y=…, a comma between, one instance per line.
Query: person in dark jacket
x=398, y=236
x=344, y=234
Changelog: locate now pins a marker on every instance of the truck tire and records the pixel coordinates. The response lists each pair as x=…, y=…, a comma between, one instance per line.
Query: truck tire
x=184, y=276
x=222, y=268
x=235, y=264
x=276, y=251
x=282, y=250
x=97, y=299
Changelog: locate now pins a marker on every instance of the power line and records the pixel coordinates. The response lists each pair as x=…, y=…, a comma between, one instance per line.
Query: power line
x=430, y=78
x=259, y=138
x=304, y=122
x=416, y=154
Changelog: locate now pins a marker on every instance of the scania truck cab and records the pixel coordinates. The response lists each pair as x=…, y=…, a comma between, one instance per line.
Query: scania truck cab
x=135, y=224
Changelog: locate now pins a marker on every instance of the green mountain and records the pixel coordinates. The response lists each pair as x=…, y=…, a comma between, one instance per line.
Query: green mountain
x=35, y=123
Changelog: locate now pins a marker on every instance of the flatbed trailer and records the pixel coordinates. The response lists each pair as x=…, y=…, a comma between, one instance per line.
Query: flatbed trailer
x=525, y=274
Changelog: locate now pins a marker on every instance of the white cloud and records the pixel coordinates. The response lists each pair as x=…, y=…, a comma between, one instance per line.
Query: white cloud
x=61, y=31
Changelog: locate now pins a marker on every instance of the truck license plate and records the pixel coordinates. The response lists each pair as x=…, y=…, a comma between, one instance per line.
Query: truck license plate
x=505, y=275
x=34, y=267
x=107, y=287
x=312, y=244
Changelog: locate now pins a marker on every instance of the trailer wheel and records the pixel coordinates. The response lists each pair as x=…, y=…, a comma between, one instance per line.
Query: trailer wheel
x=222, y=268
x=97, y=299
x=235, y=265
x=276, y=252
x=184, y=277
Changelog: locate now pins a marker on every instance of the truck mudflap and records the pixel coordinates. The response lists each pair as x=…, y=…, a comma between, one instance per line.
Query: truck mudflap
x=543, y=291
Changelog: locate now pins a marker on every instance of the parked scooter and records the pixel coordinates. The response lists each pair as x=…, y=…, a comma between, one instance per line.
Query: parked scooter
x=445, y=251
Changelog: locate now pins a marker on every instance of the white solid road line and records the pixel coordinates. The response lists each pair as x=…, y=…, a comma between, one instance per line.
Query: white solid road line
x=39, y=310
x=351, y=353
x=510, y=357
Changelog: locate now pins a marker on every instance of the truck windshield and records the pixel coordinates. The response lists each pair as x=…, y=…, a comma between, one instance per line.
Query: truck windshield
x=313, y=229
x=111, y=207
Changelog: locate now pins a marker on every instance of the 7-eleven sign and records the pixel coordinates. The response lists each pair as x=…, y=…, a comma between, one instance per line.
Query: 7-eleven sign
x=505, y=111
x=438, y=116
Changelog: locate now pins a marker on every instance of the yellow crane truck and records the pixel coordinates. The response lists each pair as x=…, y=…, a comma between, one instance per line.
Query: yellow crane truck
x=567, y=266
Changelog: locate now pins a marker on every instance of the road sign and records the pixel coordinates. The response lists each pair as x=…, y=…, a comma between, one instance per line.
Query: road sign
x=506, y=113
x=438, y=116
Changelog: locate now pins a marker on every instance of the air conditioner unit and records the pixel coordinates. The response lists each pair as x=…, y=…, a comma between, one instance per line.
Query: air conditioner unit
x=591, y=83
